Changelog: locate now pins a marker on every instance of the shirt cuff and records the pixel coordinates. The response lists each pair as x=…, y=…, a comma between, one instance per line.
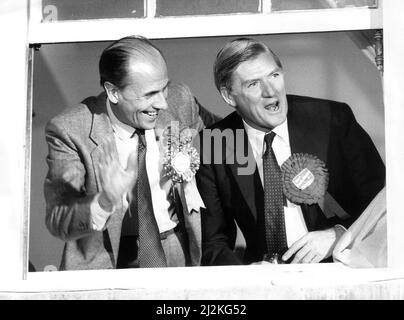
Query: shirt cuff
x=99, y=216
x=339, y=230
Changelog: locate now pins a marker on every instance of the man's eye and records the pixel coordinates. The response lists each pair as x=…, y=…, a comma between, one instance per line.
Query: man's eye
x=276, y=74
x=252, y=84
x=154, y=93
x=150, y=94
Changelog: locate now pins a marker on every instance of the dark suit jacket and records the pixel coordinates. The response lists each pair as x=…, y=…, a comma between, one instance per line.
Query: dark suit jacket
x=74, y=140
x=326, y=129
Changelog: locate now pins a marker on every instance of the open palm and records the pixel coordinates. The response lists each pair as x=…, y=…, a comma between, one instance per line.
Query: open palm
x=115, y=180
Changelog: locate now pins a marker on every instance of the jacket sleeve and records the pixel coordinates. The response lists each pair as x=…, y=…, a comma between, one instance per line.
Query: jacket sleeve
x=363, y=162
x=67, y=203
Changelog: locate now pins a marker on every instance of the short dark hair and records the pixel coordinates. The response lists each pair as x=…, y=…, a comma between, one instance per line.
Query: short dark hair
x=233, y=54
x=114, y=60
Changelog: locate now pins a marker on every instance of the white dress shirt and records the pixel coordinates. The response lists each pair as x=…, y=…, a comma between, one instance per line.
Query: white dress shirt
x=294, y=221
x=126, y=143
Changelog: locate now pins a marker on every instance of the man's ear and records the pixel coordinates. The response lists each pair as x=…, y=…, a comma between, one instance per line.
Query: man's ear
x=227, y=96
x=112, y=91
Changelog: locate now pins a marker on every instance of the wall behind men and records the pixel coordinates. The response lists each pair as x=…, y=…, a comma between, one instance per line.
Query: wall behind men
x=324, y=65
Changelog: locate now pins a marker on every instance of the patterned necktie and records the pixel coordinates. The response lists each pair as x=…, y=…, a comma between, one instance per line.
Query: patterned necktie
x=151, y=254
x=275, y=233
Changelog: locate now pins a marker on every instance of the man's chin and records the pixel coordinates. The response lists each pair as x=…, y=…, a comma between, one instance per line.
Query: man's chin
x=269, y=125
x=148, y=125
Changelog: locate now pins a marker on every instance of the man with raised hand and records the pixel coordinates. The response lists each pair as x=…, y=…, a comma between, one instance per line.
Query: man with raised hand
x=106, y=190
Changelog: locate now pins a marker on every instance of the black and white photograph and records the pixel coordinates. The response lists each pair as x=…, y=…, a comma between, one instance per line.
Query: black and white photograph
x=202, y=150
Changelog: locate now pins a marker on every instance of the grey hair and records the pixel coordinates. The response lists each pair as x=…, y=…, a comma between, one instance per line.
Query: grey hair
x=233, y=54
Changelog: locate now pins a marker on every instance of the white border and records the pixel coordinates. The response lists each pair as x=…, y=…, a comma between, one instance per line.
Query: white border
x=393, y=34
x=252, y=282
x=298, y=281
x=13, y=138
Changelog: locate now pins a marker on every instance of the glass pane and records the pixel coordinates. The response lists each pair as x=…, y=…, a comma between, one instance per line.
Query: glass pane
x=59, y=10
x=283, y=5
x=204, y=7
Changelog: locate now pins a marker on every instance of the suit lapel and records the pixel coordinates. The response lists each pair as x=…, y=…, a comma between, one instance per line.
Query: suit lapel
x=307, y=134
x=298, y=129
x=101, y=127
x=238, y=162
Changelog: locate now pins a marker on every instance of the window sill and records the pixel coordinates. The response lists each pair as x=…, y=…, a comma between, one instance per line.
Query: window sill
x=321, y=281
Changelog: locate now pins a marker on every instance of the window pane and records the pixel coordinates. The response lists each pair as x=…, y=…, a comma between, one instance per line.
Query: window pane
x=283, y=5
x=54, y=10
x=65, y=74
x=201, y=7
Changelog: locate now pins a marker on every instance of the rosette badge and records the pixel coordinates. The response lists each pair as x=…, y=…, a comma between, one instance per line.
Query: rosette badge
x=305, y=178
x=181, y=160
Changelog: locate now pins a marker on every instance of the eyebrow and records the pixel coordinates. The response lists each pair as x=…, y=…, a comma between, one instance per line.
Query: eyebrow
x=277, y=69
x=155, y=91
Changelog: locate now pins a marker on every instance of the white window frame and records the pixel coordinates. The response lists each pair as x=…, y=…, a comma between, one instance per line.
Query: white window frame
x=266, y=22
x=292, y=281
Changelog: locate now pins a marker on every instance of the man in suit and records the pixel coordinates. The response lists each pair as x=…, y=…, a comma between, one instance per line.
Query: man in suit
x=269, y=126
x=106, y=192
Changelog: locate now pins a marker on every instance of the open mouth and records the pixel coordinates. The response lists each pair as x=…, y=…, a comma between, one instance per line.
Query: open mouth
x=273, y=107
x=151, y=114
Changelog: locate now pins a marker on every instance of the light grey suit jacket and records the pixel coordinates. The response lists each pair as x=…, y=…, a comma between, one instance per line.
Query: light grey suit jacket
x=74, y=140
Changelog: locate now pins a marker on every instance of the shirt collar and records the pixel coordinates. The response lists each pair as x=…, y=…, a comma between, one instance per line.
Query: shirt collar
x=122, y=130
x=252, y=132
x=281, y=131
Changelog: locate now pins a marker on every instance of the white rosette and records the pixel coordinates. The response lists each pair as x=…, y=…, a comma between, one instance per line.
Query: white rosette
x=181, y=162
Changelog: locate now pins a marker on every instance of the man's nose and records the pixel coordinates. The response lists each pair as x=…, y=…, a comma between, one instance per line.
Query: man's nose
x=268, y=89
x=160, y=101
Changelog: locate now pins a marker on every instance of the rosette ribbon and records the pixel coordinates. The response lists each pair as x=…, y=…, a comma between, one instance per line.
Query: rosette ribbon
x=181, y=162
x=305, y=181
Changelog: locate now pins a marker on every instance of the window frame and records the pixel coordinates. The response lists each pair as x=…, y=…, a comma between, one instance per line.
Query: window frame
x=266, y=22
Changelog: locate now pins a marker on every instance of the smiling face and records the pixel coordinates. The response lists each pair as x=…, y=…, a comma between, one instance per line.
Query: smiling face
x=258, y=92
x=138, y=103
